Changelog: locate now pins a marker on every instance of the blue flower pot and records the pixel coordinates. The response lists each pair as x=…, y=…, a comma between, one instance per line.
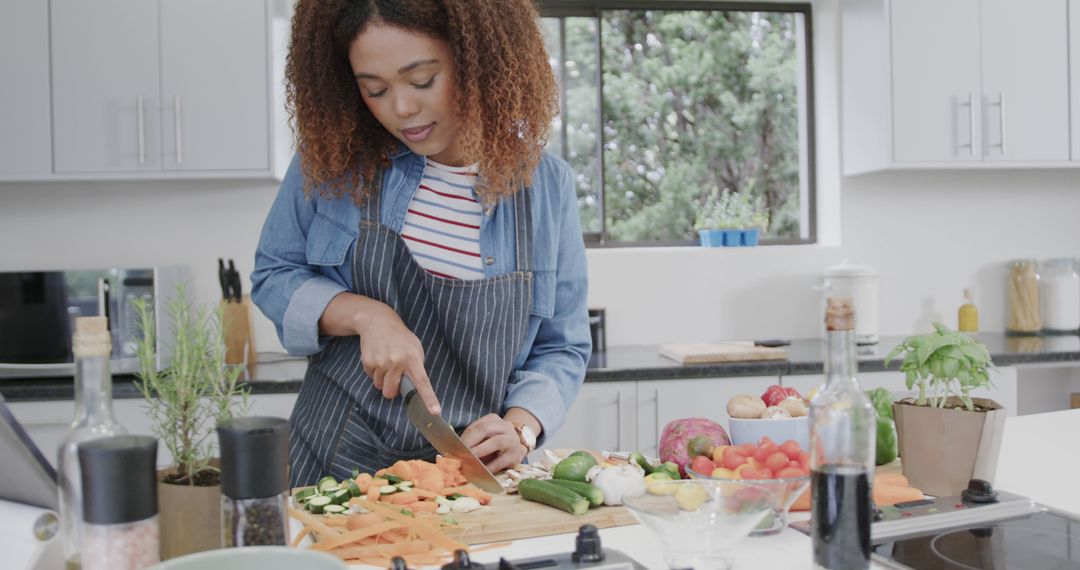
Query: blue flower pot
x=711, y=238
x=732, y=238
x=750, y=237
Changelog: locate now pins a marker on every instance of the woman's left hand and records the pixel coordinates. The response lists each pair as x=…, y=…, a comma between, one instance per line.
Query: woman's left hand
x=495, y=441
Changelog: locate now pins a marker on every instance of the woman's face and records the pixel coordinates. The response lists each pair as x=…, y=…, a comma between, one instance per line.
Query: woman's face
x=407, y=80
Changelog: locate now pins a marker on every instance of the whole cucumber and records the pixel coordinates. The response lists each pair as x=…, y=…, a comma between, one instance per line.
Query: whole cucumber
x=553, y=495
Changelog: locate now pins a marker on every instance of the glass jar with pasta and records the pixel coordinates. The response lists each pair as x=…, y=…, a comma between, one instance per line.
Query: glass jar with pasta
x=1025, y=312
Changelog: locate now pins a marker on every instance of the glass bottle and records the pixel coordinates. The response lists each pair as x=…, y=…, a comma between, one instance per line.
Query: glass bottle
x=94, y=419
x=1025, y=314
x=254, y=481
x=1060, y=295
x=842, y=440
x=968, y=316
x=119, y=526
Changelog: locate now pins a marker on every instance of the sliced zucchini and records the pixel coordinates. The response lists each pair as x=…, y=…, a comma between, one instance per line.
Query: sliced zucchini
x=406, y=486
x=304, y=494
x=317, y=504
x=355, y=473
x=334, y=509
x=388, y=489
x=353, y=488
x=328, y=486
x=392, y=479
x=340, y=497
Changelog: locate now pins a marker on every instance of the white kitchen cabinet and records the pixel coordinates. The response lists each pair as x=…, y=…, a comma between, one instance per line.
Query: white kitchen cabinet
x=603, y=417
x=168, y=88
x=106, y=93
x=661, y=401
x=214, y=85
x=1074, y=76
x=25, y=123
x=963, y=83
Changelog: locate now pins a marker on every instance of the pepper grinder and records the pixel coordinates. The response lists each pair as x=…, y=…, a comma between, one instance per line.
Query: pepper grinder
x=254, y=481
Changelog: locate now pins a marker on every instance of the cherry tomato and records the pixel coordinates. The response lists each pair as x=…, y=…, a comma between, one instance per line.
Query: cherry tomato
x=765, y=450
x=791, y=449
x=789, y=472
x=733, y=461
x=777, y=461
x=702, y=464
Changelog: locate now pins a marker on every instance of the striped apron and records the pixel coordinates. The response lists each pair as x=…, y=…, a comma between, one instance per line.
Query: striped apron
x=471, y=331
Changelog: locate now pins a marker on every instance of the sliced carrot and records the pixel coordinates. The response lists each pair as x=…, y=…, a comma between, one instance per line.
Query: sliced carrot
x=312, y=522
x=363, y=481
x=891, y=479
x=469, y=491
x=422, y=507
x=891, y=494
x=426, y=531
x=300, y=536
x=354, y=535
x=363, y=520
x=802, y=503
x=433, y=481
x=402, y=498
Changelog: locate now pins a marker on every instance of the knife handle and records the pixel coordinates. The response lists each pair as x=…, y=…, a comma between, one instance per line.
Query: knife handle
x=406, y=388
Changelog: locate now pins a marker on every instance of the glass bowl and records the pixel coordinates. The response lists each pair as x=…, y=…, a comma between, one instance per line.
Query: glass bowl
x=782, y=494
x=699, y=522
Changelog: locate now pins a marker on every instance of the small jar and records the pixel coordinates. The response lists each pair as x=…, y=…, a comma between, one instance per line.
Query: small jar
x=1060, y=295
x=254, y=481
x=119, y=529
x=1025, y=313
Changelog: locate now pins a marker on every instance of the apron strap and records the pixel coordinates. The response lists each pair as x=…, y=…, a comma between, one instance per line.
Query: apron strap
x=523, y=235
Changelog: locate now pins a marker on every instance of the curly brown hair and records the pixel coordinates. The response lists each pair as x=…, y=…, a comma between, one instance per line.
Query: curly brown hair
x=506, y=92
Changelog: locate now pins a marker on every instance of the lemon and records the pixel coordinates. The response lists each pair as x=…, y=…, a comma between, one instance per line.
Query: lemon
x=690, y=497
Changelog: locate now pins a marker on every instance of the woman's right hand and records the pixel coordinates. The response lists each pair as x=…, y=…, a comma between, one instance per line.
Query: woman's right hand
x=388, y=348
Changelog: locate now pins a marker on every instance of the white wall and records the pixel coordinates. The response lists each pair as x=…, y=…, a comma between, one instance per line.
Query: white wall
x=931, y=234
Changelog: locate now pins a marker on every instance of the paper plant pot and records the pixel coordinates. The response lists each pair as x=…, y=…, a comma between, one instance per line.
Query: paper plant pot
x=941, y=449
x=711, y=238
x=189, y=517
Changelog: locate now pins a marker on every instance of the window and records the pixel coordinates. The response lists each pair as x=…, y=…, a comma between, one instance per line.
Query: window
x=665, y=103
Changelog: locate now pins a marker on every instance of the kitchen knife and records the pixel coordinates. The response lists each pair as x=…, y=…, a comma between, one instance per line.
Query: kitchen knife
x=445, y=439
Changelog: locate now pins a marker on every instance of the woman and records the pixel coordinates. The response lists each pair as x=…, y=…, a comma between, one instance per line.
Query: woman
x=422, y=232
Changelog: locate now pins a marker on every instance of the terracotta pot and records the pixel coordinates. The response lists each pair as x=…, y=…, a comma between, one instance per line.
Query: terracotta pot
x=189, y=517
x=941, y=449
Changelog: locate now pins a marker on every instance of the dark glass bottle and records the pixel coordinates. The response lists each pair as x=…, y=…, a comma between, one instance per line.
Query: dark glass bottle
x=842, y=439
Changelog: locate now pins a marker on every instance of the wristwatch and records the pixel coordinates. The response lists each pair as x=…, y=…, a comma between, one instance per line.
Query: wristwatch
x=526, y=435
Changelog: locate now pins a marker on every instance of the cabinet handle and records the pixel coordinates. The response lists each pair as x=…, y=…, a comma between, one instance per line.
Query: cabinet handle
x=142, y=136
x=971, y=123
x=178, y=117
x=618, y=421
x=1001, y=116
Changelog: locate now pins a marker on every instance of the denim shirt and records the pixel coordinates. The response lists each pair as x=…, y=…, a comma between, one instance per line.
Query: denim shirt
x=305, y=258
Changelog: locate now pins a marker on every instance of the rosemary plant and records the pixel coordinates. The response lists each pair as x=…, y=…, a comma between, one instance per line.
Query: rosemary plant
x=186, y=400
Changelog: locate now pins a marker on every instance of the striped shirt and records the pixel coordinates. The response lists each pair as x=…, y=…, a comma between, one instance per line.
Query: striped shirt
x=442, y=224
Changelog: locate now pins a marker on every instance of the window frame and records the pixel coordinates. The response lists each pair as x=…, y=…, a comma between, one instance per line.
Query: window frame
x=593, y=8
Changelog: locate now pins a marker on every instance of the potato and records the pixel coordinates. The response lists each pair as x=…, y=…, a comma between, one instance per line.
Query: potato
x=794, y=406
x=745, y=406
x=773, y=412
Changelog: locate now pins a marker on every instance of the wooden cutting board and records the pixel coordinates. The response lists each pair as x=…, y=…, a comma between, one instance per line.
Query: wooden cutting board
x=509, y=517
x=735, y=351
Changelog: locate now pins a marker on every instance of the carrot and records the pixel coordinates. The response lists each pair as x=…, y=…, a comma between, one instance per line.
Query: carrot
x=363, y=481
x=468, y=491
x=354, y=535
x=891, y=479
x=300, y=536
x=891, y=494
x=374, y=490
x=363, y=520
x=433, y=481
x=426, y=531
x=312, y=522
x=422, y=507
x=402, y=498
x=388, y=550
x=803, y=502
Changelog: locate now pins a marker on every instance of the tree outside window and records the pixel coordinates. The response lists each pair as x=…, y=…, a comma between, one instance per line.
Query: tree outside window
x=691, y=102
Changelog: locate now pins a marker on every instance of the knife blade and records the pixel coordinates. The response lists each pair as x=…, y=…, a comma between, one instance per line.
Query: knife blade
x=445, y=440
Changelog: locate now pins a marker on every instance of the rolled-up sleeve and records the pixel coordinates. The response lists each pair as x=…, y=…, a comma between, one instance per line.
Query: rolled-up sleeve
x=551, y=377
x=289, y=291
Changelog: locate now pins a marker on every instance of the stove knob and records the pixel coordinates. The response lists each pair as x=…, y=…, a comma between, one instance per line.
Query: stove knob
x=398, y=563
x=979, y=491
x=461, y=561
x=588, y=547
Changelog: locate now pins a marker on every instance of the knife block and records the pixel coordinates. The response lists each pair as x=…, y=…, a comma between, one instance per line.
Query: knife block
x=236, y=326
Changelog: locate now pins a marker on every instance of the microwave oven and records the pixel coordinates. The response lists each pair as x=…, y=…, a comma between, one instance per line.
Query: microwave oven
x=38, y=311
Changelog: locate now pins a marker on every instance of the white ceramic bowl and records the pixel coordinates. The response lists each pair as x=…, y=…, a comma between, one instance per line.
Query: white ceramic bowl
x=254, y=558
x=778, y=429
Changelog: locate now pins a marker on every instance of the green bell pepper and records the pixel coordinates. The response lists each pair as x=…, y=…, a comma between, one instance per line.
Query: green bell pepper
x=882, y=401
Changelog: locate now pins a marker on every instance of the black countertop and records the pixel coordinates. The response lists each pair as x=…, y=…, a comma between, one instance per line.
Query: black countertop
x=278, y=375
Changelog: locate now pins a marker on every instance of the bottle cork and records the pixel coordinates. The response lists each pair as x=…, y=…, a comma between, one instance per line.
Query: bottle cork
x=839, y=314
x=91, y=337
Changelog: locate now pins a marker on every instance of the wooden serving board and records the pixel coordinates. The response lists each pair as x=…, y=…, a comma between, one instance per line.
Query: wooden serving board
x=509, y=517
x=735, y=351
